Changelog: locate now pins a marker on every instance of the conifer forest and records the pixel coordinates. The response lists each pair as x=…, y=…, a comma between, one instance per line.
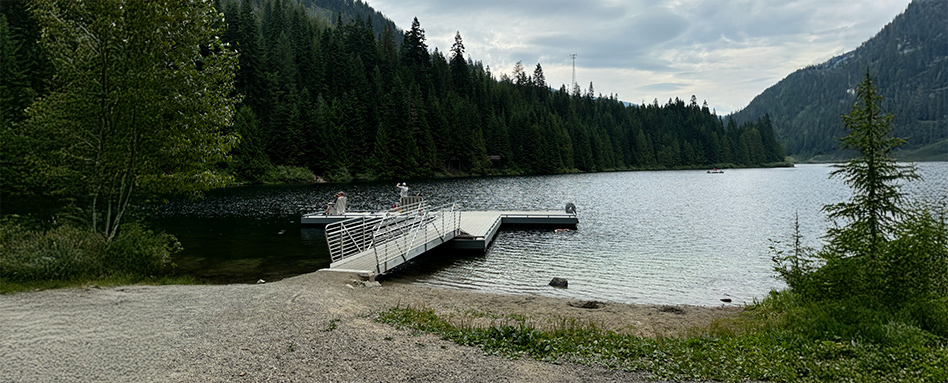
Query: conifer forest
x=347, y=96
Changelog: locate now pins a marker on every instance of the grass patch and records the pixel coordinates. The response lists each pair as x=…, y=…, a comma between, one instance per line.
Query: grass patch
x=755, y=346
x=333, y=324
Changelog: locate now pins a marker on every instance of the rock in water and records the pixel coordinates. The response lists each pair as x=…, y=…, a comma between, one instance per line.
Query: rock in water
x=559, y=282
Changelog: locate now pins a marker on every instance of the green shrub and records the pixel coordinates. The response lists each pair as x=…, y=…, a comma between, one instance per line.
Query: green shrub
x=915, y=263
x=70, y=253
x=340, y=175
x=928, y=314
x=61, y=253
x=290, y=174
x=139, y=251
x=897, y=295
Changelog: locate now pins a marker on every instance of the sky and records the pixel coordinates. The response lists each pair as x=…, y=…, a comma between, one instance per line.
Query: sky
x=724, y=52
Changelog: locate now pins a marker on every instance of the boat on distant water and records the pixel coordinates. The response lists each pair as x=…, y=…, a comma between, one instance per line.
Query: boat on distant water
x=715, y=171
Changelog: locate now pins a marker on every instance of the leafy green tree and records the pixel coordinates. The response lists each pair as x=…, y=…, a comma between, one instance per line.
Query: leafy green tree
x=141, y=102
x=877, y=203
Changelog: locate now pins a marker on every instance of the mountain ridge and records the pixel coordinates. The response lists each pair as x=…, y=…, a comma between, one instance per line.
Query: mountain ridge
x=908, y=59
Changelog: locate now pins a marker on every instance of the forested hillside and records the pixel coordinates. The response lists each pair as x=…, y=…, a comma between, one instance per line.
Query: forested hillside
x=909, y=61
x=324, y=91
x=346, y=102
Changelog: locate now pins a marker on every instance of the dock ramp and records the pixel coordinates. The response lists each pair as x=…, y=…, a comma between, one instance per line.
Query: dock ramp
x=376, y=244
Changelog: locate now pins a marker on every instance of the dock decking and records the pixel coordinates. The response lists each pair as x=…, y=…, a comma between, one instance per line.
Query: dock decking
x=478, y=228
x=474, y=230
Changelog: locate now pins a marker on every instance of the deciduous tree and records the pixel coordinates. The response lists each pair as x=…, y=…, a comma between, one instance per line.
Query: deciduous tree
x=141, y=103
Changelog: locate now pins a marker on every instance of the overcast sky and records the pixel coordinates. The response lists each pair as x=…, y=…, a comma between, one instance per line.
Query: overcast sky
x=725, y=52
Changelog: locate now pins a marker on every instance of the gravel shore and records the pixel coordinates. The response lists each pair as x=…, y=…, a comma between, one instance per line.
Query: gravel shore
x=317, y=327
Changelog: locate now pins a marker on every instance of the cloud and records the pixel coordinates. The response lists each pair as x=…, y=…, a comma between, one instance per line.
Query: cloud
x=724, y=51
x=663, y=87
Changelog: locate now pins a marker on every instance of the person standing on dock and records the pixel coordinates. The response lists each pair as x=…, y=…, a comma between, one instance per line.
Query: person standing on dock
x=337, y=205
x=403, y=189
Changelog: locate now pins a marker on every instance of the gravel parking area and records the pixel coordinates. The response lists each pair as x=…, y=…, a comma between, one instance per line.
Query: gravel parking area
x=317, y=327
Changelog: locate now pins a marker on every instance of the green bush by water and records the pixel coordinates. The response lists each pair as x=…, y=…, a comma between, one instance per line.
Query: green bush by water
x=68, y=253
x=904, y=281
x=60, y=253
x=290, y=175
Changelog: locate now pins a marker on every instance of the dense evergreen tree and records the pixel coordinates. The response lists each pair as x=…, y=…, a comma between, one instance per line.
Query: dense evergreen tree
x=355, y=98
x=24, y=67
x=877, y=204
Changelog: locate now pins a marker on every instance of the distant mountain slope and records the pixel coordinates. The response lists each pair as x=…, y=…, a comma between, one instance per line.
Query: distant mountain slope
x=353, y=9
x=908, y=61
x=330, y=12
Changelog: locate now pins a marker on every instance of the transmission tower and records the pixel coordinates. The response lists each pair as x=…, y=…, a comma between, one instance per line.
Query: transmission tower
x=573, y=56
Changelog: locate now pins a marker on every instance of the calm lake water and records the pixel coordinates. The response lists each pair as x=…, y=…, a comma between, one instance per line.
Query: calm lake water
x=656, y=237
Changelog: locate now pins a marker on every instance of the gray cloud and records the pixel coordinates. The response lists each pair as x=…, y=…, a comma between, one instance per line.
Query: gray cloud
x=652, y=49
x=663, y=87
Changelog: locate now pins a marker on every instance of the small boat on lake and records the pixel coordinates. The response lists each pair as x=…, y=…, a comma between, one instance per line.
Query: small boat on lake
x=715, y=171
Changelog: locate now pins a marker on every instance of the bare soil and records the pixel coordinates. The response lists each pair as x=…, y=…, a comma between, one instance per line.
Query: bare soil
x=314, y=327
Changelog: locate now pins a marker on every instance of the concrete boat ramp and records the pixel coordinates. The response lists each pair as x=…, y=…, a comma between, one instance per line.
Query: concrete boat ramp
x=375, y=243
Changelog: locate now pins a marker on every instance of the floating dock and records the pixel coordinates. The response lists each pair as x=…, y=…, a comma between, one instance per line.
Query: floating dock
x=478, y=228
x=377, y=243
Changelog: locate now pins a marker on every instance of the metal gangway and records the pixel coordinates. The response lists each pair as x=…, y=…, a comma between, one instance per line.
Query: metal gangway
x=380, y=242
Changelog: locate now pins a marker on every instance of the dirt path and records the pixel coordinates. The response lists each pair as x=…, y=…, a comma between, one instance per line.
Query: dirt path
x=313, y=327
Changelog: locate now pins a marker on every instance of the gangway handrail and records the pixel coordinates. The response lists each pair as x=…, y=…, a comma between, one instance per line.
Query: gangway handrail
x=415, y=228
x=392, y=234
x=349, y=237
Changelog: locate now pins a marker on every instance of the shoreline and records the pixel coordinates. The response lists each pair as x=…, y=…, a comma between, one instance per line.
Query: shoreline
x=316, y=326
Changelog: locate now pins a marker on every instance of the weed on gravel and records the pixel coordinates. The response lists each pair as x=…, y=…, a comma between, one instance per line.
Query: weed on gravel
x=737, y=351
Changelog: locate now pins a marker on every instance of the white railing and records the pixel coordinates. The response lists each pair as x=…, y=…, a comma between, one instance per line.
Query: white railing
x=394, y=235
x=351, y=237
x=413, y=231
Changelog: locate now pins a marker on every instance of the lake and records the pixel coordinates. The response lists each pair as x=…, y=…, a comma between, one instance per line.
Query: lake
x=649, y=237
